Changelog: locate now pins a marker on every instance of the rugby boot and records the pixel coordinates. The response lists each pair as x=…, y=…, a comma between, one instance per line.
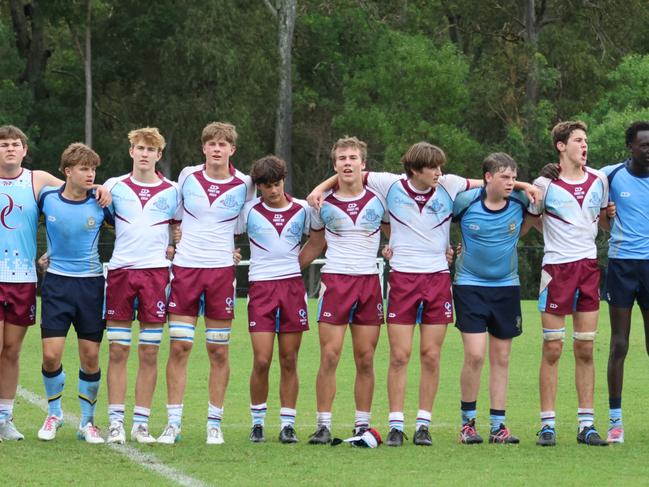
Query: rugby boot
x=395, y=438
x=257, y=434
x=422, y=437
x=589, y=436
x=469, y=435
x=322, y=436
x=503, y=435
x=288, y=435
x=547, y=436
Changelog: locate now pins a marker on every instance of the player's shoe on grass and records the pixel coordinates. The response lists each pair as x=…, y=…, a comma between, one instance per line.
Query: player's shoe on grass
x=422, y=437
x=322, y=436
x=547, y=436
x=615, y=434
x=589, y=436
x=8, y=431
x=257, y=434
x=502, y=435
x=170, y=435
x=140, y=433
x=116, y=433
x=90, y=434
x=214, y=435
x=395, y=438
x=469, y=435
x=50, y=426
x=288, y=435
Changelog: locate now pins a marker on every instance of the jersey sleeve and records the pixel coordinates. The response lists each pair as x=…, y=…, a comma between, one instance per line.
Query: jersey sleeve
x=316, y=223
x=242, y=221
x=110, y=183
x=380, y=182
x=604, y=178
x=542, y=184
x=307, y=215
x=463, y=200
x=454, y=184
x=109, y=215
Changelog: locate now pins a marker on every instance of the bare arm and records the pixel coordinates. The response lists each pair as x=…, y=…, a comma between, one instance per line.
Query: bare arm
x=531, y=221
x=315, y=198
x=604, y=220
x=312, y=249
x=475, y=183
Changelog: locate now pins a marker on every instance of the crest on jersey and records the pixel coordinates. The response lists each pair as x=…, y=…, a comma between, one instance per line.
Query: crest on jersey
x=295, y=230
x=436, y=206
x=161, y=204
x=6, y=211
x=371, y=215
x=512, y=227
x=91, y=222
x=230, y=202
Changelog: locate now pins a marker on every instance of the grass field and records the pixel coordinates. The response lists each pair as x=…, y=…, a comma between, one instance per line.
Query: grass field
x=68, y=461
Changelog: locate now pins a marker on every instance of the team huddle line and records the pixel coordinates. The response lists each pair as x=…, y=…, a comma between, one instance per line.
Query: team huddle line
x=181, y=235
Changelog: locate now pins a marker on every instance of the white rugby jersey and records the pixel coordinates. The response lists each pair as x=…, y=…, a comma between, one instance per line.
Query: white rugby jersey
x=142, y=214
x=275, y=235
x=420, y=221
x=209, y=215
x=352, y=230
x=570, y=212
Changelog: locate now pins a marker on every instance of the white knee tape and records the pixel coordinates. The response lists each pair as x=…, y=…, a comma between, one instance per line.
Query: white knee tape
x=183, y=332
x=150, y=336
x=584, y=336
x=217, y=336
x=551, y=335
x=121, y=336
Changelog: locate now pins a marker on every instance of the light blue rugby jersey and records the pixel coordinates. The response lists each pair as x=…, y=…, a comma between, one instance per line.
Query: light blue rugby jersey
x=630, y=228
x=489, y=239
x=72, y=229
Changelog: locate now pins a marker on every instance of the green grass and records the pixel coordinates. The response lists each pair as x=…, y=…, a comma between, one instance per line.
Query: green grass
x=68, y=461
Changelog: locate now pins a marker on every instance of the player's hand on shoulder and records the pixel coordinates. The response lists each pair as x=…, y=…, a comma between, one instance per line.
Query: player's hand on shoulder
x=236, y=256
x=533, y=193
x=43, y=262
x=550, y=171
x=315, y=199
x=387, y=252
x=104, y=198
x=611, y=210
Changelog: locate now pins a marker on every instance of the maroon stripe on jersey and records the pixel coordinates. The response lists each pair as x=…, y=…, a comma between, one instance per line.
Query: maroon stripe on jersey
x=557, y=217
x=163, y=222
x=214, y=190
x=392, y=215
x=578, y=191
x=145, y=193
x=257, y=245
x=443, y=221
x=420, y=198
x=351, y=208
x=278, y=219
x=120, y=217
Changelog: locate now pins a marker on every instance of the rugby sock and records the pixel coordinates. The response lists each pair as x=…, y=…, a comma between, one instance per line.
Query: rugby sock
x=214, y=415
x=615, y=411
x=548, y=419
x=140, y=416
x=175, y=414
x=116, y=413
x=423, y=418
x=287, y=417
x=586, y=417
x=88, y=389
x=496, y=418
x=396, y=420
x=323, y=419
x=258, y=413
x=54, y=384
x=6, y=410
x=468, y=410
x=362, y=420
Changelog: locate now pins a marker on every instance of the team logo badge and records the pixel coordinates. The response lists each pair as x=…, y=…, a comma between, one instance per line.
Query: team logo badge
x=91, y=222
x=161, y=308
x=371, y=215
x=230, y=202
x=252, y=324
x=436, y=206
x=161, y=204
x=7, y=210
x=512, y=227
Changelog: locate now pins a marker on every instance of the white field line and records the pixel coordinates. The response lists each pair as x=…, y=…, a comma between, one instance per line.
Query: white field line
x=145, y=460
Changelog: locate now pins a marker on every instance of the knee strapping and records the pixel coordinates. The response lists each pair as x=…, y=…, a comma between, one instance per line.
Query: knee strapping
x=551, y=334
x=150, y=336
x=121, y=336
x=217, y=336
x=584, y=336
x=183, y=332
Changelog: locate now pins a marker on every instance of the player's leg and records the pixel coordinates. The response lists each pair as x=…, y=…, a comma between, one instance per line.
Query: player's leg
x=331, y=339
x=553, y=337
x=400, y=338
x=499, y=353
x=262, y=350
x=364, y=341
x=289, y=346
x=620, y=330
x=53, y=342
x=119, y=335
x=89, y=381
x=474, y=354
x=181, y=341
x=218, y=352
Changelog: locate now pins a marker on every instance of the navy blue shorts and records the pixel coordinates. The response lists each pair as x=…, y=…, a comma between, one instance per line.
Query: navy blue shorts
x=494, y=309
x=626, y=281
x=77, y=301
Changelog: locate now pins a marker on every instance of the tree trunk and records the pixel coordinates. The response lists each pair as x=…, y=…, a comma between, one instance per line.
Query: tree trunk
x=286, y=14
x=87, y=65
x=532, y=39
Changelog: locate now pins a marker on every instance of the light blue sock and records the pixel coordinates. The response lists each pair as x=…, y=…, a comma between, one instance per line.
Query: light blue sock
x=88, y=389
x=54, y=383
x=258, y=414
x=496, y=418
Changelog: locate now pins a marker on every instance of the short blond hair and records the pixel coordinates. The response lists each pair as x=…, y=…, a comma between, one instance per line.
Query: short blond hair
x=149, y=135
x=349, y=143
x=78, y=154
x=220, y=130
